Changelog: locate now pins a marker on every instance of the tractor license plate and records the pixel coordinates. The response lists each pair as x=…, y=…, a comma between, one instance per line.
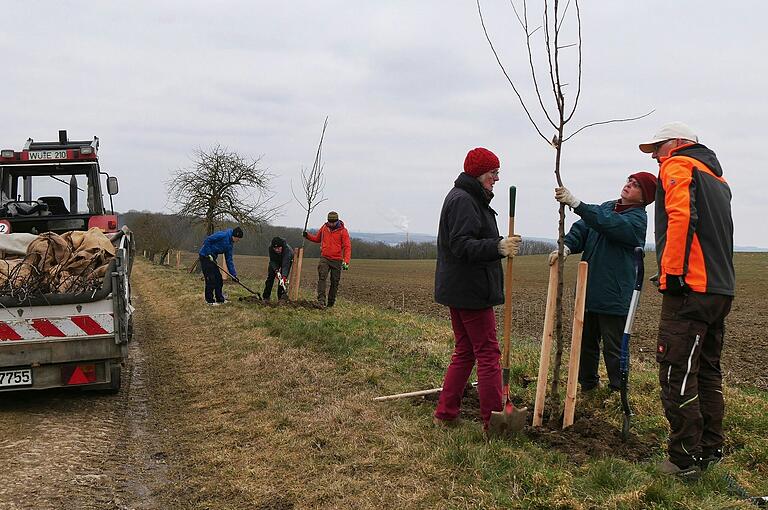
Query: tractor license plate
x=22, y=377
x=38, y=155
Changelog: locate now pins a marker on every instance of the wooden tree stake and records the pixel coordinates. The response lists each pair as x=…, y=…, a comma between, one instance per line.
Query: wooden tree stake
x=576, y=333
x=546, y=348
x=298, y=255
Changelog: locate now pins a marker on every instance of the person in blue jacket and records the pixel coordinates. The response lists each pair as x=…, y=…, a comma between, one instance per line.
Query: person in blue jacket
x=214, y=245
x=606, y=236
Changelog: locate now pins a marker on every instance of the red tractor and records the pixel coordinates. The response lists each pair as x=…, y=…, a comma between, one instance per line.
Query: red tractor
x=54, y=187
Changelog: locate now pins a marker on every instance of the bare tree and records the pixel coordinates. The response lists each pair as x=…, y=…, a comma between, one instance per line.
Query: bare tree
x=312, y=184
x=222, y=185
x=158, y=233
x=557, y=114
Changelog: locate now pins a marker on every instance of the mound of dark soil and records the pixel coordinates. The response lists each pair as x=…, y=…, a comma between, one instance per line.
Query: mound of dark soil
x=592, y=437
x=589, y=437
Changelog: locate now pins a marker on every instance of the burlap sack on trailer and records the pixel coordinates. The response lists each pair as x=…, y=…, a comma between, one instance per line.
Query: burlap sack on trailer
x=93, y=251
x=18, y=270
x=69, y=260
x=53, y=250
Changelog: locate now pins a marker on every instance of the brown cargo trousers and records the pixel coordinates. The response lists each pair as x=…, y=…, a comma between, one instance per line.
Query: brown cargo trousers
x=324, y=267
x=689, y=346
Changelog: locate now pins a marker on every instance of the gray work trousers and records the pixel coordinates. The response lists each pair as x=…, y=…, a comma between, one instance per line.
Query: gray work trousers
x=324, y=267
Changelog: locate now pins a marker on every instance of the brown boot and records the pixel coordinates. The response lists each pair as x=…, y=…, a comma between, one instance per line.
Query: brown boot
x=687, y=474
x=448, y=424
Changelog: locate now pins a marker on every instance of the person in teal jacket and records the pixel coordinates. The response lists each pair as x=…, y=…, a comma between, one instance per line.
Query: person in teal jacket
x=606, y=236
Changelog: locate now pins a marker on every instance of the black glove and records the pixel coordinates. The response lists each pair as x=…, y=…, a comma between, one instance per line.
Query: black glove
x=305, y=234
x=676, y=285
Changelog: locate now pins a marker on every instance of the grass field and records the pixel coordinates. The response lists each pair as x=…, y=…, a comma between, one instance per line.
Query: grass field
x=408, y=285
x=271, y=407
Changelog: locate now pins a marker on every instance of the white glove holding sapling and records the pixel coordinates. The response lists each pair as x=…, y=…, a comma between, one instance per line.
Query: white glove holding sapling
x=564, y=196
x=553, y=255
x=509, y=246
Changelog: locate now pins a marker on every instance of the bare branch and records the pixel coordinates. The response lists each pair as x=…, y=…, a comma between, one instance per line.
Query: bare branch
x=578, y=85
x=562, y=18
x=606, y=122
x=550, y=63
x=530, y=63
x=503, y=70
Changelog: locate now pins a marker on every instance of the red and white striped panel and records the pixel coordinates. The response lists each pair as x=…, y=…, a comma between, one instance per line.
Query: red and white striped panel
x=76, y=325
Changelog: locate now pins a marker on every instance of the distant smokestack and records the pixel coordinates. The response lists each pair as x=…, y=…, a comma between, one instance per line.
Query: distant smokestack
x=62, y=136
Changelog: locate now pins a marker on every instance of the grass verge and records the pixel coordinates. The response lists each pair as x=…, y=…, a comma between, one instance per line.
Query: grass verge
x=271, y=408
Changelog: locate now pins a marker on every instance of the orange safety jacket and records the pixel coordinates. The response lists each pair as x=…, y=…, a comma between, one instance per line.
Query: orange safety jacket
x=694, y=227
x=334, y=243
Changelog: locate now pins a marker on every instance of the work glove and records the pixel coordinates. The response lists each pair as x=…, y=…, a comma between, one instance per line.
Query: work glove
x=305, y=234
x=345, y=266
x=553, y=255
x=564, y=196
x=210, y=257
x=509, y=246
x=676, y=285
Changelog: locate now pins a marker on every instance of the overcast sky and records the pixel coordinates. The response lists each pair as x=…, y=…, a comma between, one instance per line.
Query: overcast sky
x=409, y=86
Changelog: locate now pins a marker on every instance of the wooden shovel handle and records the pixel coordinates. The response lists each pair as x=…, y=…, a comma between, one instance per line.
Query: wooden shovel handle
x=508, y=282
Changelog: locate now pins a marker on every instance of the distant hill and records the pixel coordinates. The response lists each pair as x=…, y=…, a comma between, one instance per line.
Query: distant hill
x=393, y=238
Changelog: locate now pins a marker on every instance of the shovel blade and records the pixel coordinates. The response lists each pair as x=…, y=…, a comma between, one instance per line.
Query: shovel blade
x=508, y=422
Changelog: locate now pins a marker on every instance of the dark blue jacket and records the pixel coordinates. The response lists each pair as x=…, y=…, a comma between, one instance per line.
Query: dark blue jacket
x=607, y=239
x=468, y=272
x=218, y=243
x=281, y=261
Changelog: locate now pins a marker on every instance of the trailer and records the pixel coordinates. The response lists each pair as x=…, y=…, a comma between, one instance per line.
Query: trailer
x=62, y=339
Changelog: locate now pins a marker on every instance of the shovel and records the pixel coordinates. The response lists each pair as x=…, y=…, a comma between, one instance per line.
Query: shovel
x=510, y=419
x=624, y=360
x=236, y=279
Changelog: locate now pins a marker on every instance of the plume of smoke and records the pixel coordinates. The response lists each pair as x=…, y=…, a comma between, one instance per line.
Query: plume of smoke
x=399, y=221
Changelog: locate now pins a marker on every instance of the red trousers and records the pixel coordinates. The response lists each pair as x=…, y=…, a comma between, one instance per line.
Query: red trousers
x=475, y=332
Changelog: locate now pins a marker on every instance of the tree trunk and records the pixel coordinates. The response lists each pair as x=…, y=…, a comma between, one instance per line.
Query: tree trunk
x=555, y=389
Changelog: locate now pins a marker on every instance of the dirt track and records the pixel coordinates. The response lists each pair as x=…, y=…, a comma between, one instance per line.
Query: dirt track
x=70, y=449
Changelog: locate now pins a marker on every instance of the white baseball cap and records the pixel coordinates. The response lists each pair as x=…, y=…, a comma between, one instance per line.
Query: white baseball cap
x=670, y=131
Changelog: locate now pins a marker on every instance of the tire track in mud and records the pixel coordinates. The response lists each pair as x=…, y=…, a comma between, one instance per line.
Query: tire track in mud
x=73, y=449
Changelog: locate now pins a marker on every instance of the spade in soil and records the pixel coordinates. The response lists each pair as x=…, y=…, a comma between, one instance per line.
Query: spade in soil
x=510, y=420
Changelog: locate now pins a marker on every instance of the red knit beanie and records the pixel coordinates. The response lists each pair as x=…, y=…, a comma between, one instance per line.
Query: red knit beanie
x=480, y=161
x=647, y=182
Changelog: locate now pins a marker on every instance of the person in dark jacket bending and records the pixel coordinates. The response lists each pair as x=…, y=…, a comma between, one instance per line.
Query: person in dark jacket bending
x=607, y=235
x=280, y=261
x=468, y=279
x=222, y=242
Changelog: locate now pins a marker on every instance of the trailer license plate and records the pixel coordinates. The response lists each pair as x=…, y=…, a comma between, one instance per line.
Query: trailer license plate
x=21, y=377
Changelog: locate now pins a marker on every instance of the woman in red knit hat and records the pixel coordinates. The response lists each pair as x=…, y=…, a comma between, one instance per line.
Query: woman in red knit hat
x=468, y=279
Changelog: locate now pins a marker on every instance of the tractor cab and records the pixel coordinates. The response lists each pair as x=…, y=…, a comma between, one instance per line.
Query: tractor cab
x=54, y=187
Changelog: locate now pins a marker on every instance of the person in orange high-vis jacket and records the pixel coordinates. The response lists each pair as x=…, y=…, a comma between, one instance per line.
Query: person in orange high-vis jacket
x=694, y=251
x=335, y=254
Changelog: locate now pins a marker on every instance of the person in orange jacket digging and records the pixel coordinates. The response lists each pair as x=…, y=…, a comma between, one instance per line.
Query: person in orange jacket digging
x=335, y=254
